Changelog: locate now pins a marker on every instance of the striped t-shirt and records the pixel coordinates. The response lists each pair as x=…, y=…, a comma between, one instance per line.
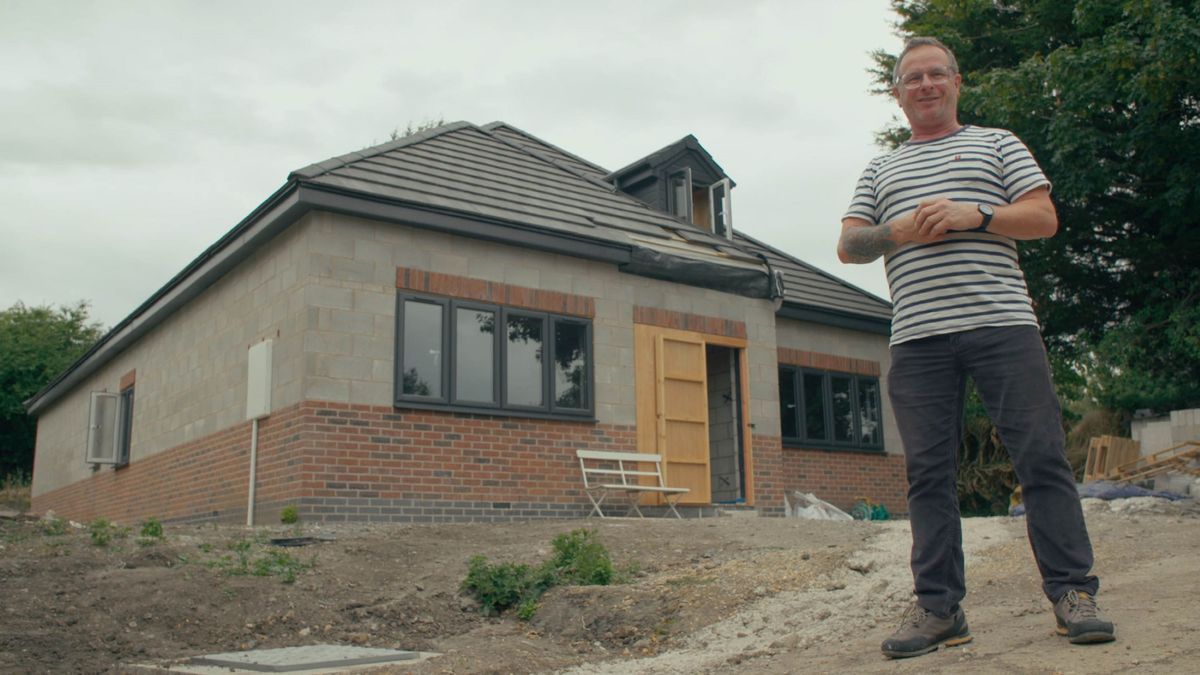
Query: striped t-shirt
x=969, y=279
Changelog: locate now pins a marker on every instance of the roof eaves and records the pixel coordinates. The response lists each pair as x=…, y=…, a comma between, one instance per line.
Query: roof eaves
x=811, y=268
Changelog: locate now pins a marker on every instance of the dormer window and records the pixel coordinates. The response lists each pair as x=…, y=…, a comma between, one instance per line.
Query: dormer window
x=722, y=212
x=680, y=196
x=683, y=180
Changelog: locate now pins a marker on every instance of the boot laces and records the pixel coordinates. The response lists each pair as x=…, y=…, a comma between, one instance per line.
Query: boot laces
x=1082, y=605
x=914, y=616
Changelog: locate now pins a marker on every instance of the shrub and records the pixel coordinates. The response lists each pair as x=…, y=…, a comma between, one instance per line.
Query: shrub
x=152, y=529
x=101, y=531
x=290, y=515
x=503, y=585
x=580, y=559
x=54, y=526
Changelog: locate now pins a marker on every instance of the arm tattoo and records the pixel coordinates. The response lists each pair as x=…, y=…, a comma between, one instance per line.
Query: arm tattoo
x=866, y=244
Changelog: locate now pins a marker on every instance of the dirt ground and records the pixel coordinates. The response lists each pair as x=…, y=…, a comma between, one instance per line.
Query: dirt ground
x=719, y=595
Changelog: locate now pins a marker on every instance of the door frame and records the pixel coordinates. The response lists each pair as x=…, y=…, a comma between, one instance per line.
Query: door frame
x=646, y=388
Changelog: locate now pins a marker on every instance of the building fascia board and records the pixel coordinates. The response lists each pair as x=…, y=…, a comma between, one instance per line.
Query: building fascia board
x=828, y=317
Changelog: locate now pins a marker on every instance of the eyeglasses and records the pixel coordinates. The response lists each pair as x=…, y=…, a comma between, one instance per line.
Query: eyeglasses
x=935, y=75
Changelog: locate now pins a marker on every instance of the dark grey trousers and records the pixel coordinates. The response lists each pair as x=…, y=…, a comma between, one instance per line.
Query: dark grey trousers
x=927, y=388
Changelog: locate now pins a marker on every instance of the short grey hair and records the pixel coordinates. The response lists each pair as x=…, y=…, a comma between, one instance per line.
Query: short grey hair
x=922, y=42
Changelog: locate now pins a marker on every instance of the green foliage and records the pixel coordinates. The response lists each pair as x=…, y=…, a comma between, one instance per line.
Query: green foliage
x=985, y=473
x=151, y=531
x=579, y=559
x=1104, y=92
x=290, y=515
x=15, y=490
x=503, y=585
x=101, y=531
x=278, y=564
x=55, y=526
x=36, y=344
x=243, y=561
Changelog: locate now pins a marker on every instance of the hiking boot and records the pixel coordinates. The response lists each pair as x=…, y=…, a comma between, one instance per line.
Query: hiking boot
x=1080, y=620
x=921, y=631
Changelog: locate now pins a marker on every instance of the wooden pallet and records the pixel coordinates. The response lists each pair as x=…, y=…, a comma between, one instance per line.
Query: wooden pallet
x=1106, y=453
x=1181, y=458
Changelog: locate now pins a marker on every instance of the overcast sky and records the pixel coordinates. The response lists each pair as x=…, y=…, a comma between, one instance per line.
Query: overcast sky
x=134, y=134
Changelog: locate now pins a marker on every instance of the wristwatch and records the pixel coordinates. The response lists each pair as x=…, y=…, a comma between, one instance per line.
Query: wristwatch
x=987, y=212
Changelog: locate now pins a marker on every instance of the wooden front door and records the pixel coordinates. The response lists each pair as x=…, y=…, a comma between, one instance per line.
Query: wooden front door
x=672, y=396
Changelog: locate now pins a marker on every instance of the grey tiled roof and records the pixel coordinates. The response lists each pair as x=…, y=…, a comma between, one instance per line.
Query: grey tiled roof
x=501, y=173
x=807, y=286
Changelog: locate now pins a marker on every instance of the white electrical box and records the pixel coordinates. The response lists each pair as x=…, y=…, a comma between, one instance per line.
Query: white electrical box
x=258, y=381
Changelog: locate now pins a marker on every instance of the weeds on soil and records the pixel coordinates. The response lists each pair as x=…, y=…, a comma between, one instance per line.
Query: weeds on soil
x=579, y=559
x=272, y=563
x=15, y=491
x=290, y=515
x=104, y=531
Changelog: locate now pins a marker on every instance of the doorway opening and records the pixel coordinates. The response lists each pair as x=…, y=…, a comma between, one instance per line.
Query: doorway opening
x=727, y=464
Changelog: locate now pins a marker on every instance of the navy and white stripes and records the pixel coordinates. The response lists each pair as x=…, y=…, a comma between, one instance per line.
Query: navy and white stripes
x=967, y=280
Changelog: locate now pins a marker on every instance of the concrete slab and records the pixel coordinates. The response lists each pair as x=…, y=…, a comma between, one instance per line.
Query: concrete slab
x=306, y=660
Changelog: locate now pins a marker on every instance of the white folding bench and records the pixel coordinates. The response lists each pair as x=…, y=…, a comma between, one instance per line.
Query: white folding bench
x=607, y=472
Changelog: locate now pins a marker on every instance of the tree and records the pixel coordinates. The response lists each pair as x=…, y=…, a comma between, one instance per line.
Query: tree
x=36, y=344
x=1106, y=93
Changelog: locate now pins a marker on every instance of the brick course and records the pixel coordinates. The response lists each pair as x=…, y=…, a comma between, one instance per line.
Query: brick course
x=342, y=462
x=710, y=325
x=820, y=361
x=842, y=478
x=510, y=295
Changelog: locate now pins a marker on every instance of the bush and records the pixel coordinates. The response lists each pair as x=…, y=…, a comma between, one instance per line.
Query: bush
x=290, y=515
x=503, y=585
x=580, y=559
x=101, y=531
x=152, y=529
x=54, y=526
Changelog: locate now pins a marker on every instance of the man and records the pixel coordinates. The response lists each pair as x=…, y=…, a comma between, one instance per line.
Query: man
x=945, y=210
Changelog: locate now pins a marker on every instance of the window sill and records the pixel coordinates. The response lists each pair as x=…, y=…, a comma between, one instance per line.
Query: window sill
x=585, y=416
x=800, y=445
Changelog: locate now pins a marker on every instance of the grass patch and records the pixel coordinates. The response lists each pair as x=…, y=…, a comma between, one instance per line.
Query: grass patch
x=15, y=491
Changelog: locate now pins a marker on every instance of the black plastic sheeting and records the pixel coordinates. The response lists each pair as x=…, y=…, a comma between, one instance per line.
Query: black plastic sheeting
x=751, y=283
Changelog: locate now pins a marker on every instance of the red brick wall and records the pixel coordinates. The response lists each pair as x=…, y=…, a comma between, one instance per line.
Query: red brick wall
x=699, y=323
x=341, y=462
x=770, y=478
x=492, y=291
x=842, y=478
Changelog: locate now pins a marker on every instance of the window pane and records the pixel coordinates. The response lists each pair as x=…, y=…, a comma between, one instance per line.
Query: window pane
x=570, y=365
x=814, y=408
x=843, y=409
x=422, y=367
x=869, y=418
x=524, y=361
x=787, y=403
x=474, y=352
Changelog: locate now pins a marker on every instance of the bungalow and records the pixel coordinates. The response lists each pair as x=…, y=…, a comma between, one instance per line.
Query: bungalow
x=427, y=330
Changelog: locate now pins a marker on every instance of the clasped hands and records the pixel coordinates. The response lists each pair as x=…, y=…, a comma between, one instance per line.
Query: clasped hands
x=933, y=219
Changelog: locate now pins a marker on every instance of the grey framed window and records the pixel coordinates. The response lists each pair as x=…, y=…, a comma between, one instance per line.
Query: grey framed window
x=110, y=427
x=471, y=356
x=828, y=410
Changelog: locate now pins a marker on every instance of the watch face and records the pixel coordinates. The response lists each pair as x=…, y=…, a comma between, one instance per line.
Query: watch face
x=987, y=210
